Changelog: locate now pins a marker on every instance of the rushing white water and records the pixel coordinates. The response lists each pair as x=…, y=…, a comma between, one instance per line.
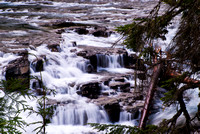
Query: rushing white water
x=168, y=112
x=110, y=61
x=64, y=71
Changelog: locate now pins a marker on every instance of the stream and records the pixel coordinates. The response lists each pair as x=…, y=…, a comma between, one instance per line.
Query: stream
x=93, y=82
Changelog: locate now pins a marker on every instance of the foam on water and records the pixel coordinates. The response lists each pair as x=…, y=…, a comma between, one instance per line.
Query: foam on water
x=89, y=40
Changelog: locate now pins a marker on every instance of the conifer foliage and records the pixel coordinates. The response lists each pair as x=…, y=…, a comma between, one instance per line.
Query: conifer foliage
x=11, y=105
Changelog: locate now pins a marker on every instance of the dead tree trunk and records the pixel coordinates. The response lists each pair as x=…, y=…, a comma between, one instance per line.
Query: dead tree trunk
x=149, y=96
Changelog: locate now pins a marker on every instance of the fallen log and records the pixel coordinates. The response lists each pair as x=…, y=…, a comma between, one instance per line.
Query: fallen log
x=150, y=93
x=149, y=96
x=186, y=80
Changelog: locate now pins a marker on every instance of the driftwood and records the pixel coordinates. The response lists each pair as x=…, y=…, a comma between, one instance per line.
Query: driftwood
x=154, y=80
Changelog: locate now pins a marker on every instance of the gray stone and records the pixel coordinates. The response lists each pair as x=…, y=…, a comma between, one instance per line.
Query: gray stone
x=124, y=86
x=37, y=65
x=19, y=69
x=54, y=47
x=90, y=90
x=120, y=79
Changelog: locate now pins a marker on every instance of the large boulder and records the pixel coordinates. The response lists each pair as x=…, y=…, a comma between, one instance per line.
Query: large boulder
x=91, y=90
x=19, y=69
x=113, y=111
x=113, y=105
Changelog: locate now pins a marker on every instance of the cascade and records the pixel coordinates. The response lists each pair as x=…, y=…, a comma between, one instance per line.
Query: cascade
x=110, y=61
x=58, y=74
x=64, y=71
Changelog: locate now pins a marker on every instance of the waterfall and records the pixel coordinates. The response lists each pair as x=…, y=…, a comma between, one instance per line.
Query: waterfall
x=79, y=113
x=60, y=73
x=125, y=116
x=110, y=61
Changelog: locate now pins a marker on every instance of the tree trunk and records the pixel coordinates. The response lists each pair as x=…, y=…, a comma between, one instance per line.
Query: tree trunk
x=150, y=93
x=185, y=112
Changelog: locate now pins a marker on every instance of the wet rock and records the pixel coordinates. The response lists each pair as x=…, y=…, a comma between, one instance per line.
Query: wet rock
x=54, y=47
x=101, y=33
x=111, y=105
x=106, y=80
x=139, y=97
x=39, y=91
x=82, y=54
x=105, y=100
x=37, y=84
x=138, y=105
x=90, y=52
x=122, y=102
x=130, y=60
x=90, y=68
x=62, y=23
x=74, y=44
x=37, y=65
x=136, y=114
x=124, y=86
x=73, y=50
x=19, y=69
x=38, y=38
x=51, y=102
x=105, y=93
x=81, y=31
x=120, y=79
x=60, y=31
x=113, y=111
x=32, y=47
x=91, y=90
